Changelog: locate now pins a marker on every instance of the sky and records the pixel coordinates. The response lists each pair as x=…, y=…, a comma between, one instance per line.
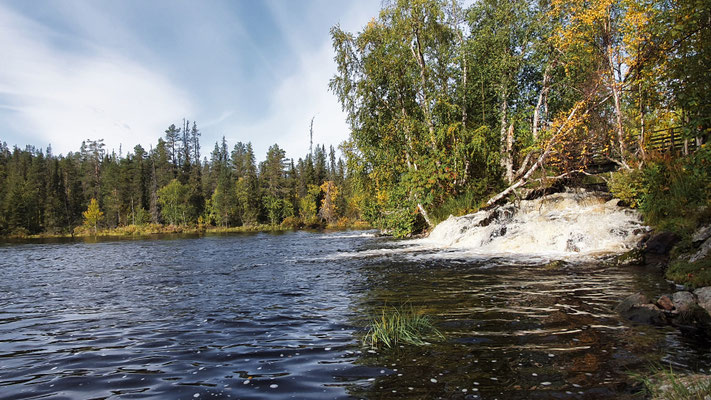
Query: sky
x=249, y=70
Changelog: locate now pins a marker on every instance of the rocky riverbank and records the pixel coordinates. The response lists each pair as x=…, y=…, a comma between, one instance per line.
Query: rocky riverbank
x=689, y=304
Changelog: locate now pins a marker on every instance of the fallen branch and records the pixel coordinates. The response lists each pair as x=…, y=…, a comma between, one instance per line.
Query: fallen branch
x=546, y=151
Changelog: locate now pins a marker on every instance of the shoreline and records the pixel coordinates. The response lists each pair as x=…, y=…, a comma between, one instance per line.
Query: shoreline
x=159, y=229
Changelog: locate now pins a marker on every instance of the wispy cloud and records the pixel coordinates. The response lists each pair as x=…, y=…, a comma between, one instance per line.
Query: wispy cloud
x=56, y=95
x=303, y=93
x=124, y=71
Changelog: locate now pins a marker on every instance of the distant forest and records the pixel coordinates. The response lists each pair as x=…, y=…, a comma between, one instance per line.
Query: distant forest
x=169, y=184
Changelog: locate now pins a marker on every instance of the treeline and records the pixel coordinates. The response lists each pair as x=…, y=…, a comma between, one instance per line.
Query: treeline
x=169, y=184
x=452, y=108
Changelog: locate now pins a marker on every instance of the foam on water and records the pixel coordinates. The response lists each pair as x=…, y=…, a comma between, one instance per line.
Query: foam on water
x=570, y=224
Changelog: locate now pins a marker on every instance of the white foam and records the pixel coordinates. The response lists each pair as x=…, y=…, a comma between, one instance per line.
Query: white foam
x=562, y=225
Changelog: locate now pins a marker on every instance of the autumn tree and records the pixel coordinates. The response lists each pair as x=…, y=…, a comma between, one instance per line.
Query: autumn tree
x=93, y=215
x=328, y=203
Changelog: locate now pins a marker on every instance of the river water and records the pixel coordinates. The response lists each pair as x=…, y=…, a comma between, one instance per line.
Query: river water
x=280, y=316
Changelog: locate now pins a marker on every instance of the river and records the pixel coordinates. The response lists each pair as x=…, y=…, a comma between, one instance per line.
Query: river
x=280, y=316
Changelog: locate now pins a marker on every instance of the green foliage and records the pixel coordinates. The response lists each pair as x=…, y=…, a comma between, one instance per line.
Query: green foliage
x=696, y=274
x=274, y=206
x=670, y=193
x=402, y=222
x=466, y=203
x=627, y=186
x=143, y=217
x=173, y=198
x=308, y=205
x=400, y=325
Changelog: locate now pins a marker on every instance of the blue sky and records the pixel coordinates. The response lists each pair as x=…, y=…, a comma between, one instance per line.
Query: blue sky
x=124, y=70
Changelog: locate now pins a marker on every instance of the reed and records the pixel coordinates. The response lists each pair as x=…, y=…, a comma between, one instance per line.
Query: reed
x=400, y=325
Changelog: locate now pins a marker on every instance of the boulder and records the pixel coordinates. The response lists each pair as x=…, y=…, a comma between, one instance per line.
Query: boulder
x=665, y=303
x=683, y=301
x=702, y=234
x=661, y=243
x=646, y=314
x=703, y=251
x=637, y=308
x=703, y=296
x=632, y=257
x=630, y=302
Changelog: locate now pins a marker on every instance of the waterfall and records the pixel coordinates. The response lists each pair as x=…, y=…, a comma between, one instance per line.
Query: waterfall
x=563, y=224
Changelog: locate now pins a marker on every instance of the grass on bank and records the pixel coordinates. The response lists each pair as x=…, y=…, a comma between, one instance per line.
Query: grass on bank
x=400, y=325
x=665, y=384
x=160, y=229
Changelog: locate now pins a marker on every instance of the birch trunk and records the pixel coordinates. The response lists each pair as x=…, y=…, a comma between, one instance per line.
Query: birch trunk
x=541, y=158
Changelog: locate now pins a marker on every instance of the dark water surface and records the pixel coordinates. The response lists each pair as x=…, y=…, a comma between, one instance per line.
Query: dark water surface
x=279, y=316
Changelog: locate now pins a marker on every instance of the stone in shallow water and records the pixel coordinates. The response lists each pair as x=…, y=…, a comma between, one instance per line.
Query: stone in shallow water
x=637, y=308
x=683, y=301
x=704, y=297
x=666, y=303
x=630, y=302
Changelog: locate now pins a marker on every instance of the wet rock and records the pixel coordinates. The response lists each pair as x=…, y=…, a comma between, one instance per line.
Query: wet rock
x=661, y=243
x=683, y=301
x=637, y=308
x=665, y=303
x=703, y=296
x=702, y=234
x=630, y=302
x=632, y=257
x=646, y=314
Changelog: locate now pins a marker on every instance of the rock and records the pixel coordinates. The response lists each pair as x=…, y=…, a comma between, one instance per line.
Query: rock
x=661, y=243
x=646, y=314
x=637, y=308
x=665, y=303
x=632, y=257
x=701, y=234
x=703, y=251
x=683, y=301
x=630, y=302
x=703, y=296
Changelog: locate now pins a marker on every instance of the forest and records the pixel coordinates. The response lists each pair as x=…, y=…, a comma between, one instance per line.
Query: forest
x=169, y=185
x=451, y=109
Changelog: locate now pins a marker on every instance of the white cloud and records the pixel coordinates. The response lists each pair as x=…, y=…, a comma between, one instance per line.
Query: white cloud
x=63, y=96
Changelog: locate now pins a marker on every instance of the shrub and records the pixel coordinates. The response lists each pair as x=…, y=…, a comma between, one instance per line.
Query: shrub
x=627, y=186
x=292, y=222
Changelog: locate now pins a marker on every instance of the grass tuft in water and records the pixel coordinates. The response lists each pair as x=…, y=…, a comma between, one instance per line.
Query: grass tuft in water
x=665, y=384
x=400, y=325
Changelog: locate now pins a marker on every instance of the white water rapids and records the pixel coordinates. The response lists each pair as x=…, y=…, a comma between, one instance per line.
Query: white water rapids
x=562, y=225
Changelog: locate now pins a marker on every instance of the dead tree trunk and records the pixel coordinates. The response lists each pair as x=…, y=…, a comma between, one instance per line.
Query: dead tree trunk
x=505, y=149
